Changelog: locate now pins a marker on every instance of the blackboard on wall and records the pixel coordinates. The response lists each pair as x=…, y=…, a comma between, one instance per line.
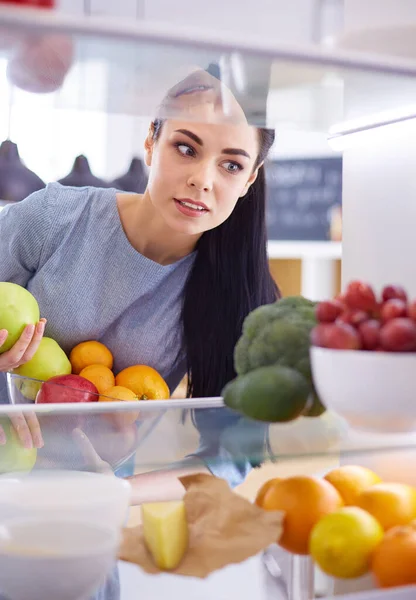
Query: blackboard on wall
x=300, y=196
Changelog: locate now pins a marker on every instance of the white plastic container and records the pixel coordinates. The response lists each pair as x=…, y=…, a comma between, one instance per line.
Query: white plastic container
x=95, y=498
x=46, y=559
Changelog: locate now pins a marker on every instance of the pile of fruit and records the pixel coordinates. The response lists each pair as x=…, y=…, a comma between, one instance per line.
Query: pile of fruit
x=359, y=320
x=350, y=523
x=271, y=359
x=85, y=376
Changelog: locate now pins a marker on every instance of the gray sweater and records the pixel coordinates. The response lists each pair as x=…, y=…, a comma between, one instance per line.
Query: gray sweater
x=67, y=246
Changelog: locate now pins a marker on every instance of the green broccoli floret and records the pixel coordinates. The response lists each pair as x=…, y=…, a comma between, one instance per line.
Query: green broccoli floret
x=283, y=342
x=277, y=334
x=296, y=302
x=259, y=318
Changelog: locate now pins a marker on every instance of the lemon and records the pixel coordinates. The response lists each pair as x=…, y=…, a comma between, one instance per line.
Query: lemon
x=342, y=542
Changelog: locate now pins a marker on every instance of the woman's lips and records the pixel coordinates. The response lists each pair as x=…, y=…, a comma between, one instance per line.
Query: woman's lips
x=190, y=208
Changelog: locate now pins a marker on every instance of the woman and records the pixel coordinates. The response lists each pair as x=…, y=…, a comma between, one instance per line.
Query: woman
x=165, y=278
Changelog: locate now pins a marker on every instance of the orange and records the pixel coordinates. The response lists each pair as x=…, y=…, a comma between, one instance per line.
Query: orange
x=351, y=480
x=144, y=381
x=117, y=392
x=390, y=503
x=102, y=377
x=394, y=561
x=90, y=353
x=121, y=420
x=261, y=494
x=303, y=500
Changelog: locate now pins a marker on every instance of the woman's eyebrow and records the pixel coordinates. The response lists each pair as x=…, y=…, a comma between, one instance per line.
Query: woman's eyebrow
x=191, y=135
x=236, y=151
x=198, y=141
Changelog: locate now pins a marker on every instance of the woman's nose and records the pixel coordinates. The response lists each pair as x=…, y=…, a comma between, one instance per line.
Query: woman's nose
x=201, y=179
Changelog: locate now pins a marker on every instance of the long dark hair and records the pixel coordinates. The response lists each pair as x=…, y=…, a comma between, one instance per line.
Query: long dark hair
x=230, y=277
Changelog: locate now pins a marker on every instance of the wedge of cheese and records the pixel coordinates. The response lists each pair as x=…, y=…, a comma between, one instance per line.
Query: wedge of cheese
x=166, y=533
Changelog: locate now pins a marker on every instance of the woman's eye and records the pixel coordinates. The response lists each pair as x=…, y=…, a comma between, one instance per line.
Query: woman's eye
x=232, y=167
x=185, y=149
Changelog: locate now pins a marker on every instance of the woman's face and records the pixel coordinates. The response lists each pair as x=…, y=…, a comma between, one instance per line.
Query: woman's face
x=198, y=171
x=203, y=160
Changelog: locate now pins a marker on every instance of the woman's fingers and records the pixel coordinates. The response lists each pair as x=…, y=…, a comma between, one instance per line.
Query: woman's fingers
x=3, y=336
x=3, y=439
x=22, y=429
x=25, y=347
x=91, y=458
x=34, y=342
x=35, y=431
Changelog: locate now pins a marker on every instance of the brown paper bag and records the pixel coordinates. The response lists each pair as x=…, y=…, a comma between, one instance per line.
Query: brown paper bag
x=224, y=528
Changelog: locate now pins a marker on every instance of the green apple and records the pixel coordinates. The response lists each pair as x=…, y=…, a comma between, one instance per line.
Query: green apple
x=18, y=308
x=48, y=361
x=13, y=457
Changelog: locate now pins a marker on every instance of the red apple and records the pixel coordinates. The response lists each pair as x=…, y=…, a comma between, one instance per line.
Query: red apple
x=329, y=310
x=391, y=292
x=399, y=335
x=393, y=309
x=370, y=334
x=67, y=388
x=353, y=317
x=360, y=296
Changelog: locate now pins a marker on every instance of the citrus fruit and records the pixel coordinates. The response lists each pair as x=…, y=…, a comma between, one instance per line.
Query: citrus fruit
x=390, y=503
x=351, y=480
x=117, y=392
x=342, y=543
x=394, y=561
x=90, y=353
x=144, y=381
x=120, y=420
x=304, y=501
x=261, y=494
x=102, y=377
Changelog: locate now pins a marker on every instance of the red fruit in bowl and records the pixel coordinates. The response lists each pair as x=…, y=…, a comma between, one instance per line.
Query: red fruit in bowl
x=411, y=310
x=328, y=310
x=67, y=388
x=399, y=335
x=391, y=292
x=393, y=309
x=318, y=335
x=353, y=317
x=342, y=336
x=370, y=334
x=360, y=296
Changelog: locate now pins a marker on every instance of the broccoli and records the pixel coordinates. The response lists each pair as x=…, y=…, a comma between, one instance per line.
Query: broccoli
x=277, y=334
x=283, y=342
x=296, y=302
x=271, y=358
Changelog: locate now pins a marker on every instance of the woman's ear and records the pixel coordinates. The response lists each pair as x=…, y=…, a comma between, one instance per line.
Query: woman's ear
x=149, y=145
x=251, y=180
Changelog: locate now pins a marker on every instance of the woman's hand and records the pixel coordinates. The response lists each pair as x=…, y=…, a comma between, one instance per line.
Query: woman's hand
x=93, y=461
x=25, y=347
x=27, y=428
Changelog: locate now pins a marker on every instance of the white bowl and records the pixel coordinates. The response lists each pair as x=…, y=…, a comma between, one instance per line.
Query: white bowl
x=372, y=391
x=47, y=559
